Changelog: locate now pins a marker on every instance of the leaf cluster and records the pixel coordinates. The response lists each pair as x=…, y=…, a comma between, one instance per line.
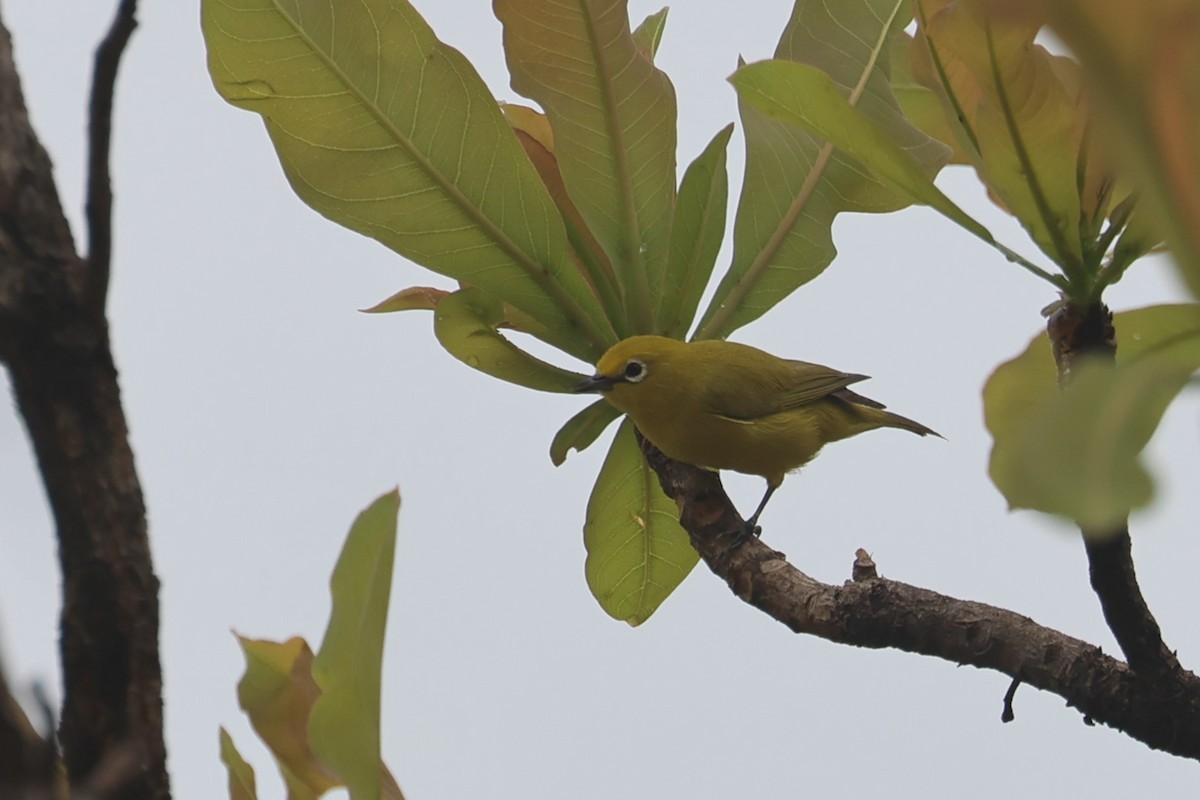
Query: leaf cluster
x=565, y=223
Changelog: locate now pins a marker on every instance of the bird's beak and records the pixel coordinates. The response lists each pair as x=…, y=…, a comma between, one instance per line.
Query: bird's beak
x=594, y=384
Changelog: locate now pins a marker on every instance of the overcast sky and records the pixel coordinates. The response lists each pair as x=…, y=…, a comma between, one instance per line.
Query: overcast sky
x=266, y=411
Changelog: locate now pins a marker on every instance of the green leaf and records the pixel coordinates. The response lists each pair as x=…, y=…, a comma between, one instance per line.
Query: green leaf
x=466, y=324
x=241, y=774
x=344, y=725
x=648, y=35
x=613, y=115
x=637, y=552
x=385, y=129
x=805, y=96
x=696, y=235
x=277, y=692
x=581, y=430
x=1075, y=453
x=795, y=184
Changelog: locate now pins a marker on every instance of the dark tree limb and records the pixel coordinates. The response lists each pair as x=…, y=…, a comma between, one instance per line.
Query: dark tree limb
x=1160, y=711
x=1075, y=333
x=54, y=340
x=99, y=178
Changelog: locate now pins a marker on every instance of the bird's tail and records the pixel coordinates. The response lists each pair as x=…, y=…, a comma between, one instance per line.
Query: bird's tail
x=897, y=421
x=885, y=418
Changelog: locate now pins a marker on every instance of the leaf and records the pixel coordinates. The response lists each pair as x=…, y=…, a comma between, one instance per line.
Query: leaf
x=1074, y=453
x=795, y=184
x=696, y=235
x=1142, y=61
x=613, y=115
x=581, y=430
x=920, y=104
x=1023, y=124
x=536, y=137
x=277, y=692
x=466, y=324
x=425, y=298
x=241, y=775
x=637, y=553
x=805, y=96
x=648, y=35
x=385, y=129
x=344, y=725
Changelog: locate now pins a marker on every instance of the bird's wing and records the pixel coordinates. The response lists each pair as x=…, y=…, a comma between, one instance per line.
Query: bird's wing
x=810, y=382
x=748, y=392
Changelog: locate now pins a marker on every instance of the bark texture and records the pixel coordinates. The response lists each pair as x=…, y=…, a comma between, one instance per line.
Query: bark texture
x=54, y=340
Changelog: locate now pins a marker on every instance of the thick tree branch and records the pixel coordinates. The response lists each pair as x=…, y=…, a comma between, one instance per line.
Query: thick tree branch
x=1074, y=333
x=1163, y=712
x=54, y=340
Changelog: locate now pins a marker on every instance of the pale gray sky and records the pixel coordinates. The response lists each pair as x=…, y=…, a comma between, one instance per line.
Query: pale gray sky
x=266, y=412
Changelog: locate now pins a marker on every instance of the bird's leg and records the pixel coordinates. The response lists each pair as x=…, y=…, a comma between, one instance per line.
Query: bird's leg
x=750, y=529
x=752, y=523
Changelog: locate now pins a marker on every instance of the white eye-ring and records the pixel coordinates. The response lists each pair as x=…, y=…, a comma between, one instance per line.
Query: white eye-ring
x=635, y=370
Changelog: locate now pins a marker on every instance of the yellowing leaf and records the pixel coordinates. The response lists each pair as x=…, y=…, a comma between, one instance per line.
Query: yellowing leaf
x=1020, y=122
x=1075, y=453
x=1142, y=60
x=637, y=553
x=277, y=692
x=613, y=115
x=344, y=724
x=537, y=138
x=920, y=103
x=385, y=129
x=241, y=775
x=415, y=297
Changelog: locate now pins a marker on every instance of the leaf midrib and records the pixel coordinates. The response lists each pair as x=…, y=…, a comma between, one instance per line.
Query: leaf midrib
x=762, y=261
x=539, y=273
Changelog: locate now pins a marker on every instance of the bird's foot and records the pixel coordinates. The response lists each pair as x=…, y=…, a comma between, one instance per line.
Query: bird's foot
x=742, y=534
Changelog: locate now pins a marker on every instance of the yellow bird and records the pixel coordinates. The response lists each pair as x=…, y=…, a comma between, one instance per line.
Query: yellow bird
x=723, y=405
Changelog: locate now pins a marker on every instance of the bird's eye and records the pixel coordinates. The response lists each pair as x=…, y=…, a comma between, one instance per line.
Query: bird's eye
x=634, y=371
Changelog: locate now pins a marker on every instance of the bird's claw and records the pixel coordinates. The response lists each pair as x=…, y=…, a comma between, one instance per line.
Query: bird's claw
x=742, y=534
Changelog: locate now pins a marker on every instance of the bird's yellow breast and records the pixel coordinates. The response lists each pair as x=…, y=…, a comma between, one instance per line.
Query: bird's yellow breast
x=769, y=446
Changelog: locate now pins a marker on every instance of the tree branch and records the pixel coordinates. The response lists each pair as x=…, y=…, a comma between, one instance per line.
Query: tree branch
x=99, y=179
x=54, y=340
x=1074, y=333
x=1164, y=713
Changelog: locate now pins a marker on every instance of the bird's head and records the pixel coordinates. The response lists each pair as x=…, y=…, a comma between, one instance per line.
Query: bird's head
x=634, y=371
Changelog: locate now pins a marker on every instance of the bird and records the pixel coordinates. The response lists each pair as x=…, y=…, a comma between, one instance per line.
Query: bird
x=722, y=405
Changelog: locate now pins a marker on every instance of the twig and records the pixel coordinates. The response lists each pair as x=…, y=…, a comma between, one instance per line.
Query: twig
x=1007, y=714
x=99, y=205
